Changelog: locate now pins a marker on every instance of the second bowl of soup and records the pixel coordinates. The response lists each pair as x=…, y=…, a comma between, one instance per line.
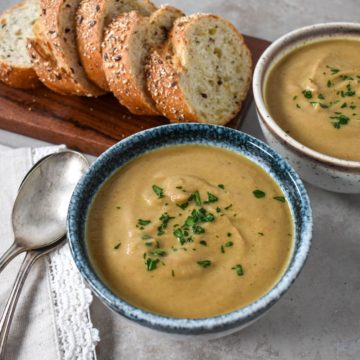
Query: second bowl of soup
x=307, y=93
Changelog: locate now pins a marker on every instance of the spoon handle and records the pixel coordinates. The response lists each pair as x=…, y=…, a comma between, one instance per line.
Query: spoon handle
x=9, y=254
x=8, y=313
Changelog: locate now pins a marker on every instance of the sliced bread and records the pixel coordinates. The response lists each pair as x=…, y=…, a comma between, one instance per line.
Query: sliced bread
x=15, y=26
x=93, y=16
x=54, y=50
x=202, y=73
x=126, y=47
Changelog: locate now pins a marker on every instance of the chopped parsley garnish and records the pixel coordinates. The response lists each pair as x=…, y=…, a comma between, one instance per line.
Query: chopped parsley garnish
x=222, y=249
x=321, y=97
x=198, y=229
x=183, y=205
x=279, y=198
x=149, y=243
x=158, y=191
x=158, y=252
x=145, y=237
x=203, y=242
x=229, y=244
x=259, y=193
x=340, y=120
x=211, y=198
x=221, y=186
x=117, y=246
x=141, y=223
x=197, y=198
x=164, y=218
x=151, y=264
x=238, y=269
x=307, y=94
x=218, y=209
x=329, y=83
x=204, y=263
x=333, y=70
x=313, y=103
x=324, y=106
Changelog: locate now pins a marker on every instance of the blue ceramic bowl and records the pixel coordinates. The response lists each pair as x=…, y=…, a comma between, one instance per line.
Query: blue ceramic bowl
x=175, y=134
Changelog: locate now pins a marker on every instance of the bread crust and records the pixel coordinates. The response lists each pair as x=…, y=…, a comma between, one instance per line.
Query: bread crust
x=164, y=71
x=117, y=65
x=90, y=25
x=22, y=77
x=49, y=59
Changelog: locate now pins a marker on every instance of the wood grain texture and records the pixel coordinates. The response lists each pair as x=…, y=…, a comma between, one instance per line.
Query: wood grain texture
x=85, y=124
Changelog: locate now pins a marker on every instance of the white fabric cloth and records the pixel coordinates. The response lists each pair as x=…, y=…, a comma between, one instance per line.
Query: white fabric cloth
x=52, y=318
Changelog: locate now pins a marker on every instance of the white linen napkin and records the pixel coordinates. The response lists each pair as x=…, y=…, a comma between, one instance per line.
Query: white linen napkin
x=52, y=319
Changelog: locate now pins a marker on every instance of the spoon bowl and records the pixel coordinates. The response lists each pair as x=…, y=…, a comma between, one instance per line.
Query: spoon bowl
x=40, y=209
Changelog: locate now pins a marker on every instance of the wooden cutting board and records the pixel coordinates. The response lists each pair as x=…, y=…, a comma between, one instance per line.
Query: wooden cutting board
x=85, y=124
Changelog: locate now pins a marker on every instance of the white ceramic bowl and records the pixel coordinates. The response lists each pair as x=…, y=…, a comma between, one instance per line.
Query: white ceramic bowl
x=321, y=170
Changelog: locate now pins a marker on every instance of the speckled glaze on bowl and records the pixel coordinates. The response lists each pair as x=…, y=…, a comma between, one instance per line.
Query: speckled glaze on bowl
x=321, y=170
x=178, y=134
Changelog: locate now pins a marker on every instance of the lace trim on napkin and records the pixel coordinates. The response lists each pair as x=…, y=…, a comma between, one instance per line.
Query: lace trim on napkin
x=76, y=336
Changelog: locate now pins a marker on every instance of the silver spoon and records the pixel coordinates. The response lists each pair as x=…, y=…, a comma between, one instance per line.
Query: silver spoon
x=40, y=209
x=39, y=218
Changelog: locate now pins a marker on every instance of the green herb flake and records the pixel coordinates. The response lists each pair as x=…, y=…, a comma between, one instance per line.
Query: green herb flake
x=229, y=244
x=329, y=84
x=313, y=103
x=158, y=252
x=259, y=194
x=203, y=242
x=142, y=222
x=321, y=97
x=307, y=94
x=151, y=264
x=218, y=210
x=211, y=198
x=183, y=205
x=333, y=70
x=204, y=263
x=158, y=191
x=279, y=198
x=324, y=106
x=197, y=198
x=228, y=207
x=149, y=243
x=117, y=246
x=164, y=218
x=145, y=237
x=221, y=186
x=198, y=229
x=238, y=269
x=222, y=249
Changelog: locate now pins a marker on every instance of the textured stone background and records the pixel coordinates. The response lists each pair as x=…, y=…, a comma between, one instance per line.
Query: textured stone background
x=319, y=317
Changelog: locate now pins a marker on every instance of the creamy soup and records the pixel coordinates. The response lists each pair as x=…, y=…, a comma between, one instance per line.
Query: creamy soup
x=190, y=231
x=313, y=93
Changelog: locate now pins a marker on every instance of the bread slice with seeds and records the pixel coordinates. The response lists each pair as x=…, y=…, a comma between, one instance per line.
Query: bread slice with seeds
x=15, y=26
x=126, y=47
x=54, y=50
x=203, y=72
x=93, y=16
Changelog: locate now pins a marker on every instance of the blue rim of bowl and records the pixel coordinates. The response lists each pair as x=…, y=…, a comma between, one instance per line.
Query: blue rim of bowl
x=182, y=134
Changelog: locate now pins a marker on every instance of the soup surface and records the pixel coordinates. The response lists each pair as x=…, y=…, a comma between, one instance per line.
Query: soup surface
x=190, y=231
x=313, y=93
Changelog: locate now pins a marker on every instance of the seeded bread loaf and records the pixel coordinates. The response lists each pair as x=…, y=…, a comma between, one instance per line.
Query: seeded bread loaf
x=93, y=16
x=126, y=47
x=15, y=26
x=54, y=50
x=202, y=73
